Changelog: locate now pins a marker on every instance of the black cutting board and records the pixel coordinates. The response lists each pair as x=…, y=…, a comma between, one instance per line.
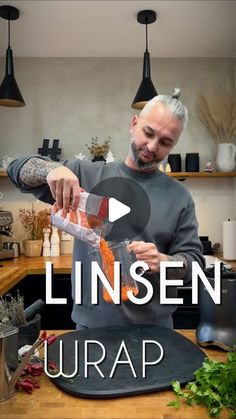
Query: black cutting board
x=181, y=359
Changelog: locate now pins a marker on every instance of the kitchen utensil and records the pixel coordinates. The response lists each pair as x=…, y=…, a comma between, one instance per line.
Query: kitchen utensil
x=33, y=309
x=10, y=371
x=218, y=321
x=16, y=249
x=116, y=251
x=6, y=221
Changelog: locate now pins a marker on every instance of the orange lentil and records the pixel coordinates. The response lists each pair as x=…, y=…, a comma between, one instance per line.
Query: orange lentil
x=108, y=269
x=73, y=216
x=105, y=251
x=124, y=293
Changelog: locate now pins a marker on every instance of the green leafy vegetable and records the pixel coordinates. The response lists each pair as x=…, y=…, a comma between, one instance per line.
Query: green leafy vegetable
x=214, y=386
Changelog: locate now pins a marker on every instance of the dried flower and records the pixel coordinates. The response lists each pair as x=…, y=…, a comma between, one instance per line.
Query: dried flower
x=97, y=149
x=34, y=222
x=12, y=310
x=217, y=112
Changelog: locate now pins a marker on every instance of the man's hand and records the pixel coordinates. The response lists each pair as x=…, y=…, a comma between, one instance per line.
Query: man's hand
x=148, y=253
x=65, y=188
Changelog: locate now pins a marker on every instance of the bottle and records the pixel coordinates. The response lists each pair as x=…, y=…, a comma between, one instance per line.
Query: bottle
x=55, y=242
x=46, y=242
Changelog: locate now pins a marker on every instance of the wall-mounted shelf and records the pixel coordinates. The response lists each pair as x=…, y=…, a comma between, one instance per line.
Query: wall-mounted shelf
x=179, y=175
x=208, y=175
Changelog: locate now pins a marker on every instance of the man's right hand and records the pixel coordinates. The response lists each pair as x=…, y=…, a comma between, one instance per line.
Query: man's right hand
x=65, y=188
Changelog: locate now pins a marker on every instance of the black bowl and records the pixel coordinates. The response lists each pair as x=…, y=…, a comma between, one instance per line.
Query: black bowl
x=29, y=332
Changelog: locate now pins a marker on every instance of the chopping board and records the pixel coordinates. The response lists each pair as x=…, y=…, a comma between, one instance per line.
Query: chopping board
x=122, y=352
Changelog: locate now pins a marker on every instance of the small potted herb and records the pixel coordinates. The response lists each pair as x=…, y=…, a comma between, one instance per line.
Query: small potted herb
x=12, y=313
x=33, y=224
x=98, y=150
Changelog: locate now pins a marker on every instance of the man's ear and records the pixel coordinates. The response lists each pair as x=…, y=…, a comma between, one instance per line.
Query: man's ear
x=134, y=122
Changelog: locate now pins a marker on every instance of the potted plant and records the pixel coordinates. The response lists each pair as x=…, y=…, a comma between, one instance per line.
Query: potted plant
x=12, y=313
x=217, y=112
x=34, y=223
x=99, y=151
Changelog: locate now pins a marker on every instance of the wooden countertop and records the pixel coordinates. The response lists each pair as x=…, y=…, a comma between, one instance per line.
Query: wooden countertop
x=13, y=270
x=49, y=402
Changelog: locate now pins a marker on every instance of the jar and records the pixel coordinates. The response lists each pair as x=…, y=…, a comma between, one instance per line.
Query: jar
x=192, y=162
x=174, y=161
x=106, y=255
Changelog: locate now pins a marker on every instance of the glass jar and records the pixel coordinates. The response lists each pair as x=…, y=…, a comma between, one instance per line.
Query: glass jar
x=106, y=255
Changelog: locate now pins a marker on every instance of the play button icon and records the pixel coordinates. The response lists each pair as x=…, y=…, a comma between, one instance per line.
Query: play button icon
x=129, y=208
x=117, y=210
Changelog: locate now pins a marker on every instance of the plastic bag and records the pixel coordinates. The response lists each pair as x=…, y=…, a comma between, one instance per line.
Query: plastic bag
x=87, y=223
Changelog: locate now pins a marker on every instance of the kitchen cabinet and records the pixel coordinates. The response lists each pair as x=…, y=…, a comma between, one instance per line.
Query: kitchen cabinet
x=28, y=276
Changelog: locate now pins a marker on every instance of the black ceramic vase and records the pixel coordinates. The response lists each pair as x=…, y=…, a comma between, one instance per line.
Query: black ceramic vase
x=98, y=158
x=192, y=162
x=174, y=161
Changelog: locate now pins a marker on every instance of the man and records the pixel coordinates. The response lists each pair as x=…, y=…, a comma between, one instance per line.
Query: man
x=171, y=232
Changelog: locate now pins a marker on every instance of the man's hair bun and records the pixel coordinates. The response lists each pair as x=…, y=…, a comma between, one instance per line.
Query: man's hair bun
x=176, y=94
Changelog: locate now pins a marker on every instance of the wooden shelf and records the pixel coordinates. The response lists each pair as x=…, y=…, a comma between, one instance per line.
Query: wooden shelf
x=178, y=175
x=205, y=175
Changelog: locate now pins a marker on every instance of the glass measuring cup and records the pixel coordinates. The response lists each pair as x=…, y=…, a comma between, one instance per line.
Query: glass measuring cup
x=106, y=255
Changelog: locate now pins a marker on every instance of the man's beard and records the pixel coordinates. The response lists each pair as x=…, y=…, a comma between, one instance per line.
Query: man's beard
x=134, y=154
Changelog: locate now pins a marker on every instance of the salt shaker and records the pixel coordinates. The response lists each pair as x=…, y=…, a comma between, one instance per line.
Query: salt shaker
x=46, y=242
x=55, y=242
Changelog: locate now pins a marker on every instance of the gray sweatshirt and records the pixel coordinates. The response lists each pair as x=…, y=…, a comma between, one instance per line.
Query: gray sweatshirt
x=172, y=226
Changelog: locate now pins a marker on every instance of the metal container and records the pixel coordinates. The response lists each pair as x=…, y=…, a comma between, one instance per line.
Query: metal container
x=12, y=246
x=218, y=321
x=10, y=369
x=16, y=249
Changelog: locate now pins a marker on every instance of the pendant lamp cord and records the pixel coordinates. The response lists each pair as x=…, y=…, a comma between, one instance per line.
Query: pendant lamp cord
x=9, y=32
x=146, y=35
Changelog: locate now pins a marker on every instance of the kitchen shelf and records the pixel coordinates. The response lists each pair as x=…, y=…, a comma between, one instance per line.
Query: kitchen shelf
x=178, y=175
x=204, y=175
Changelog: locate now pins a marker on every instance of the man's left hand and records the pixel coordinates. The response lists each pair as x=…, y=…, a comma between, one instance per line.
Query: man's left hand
x=148, y=252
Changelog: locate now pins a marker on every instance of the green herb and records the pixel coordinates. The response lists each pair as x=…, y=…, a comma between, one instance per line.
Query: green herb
x=214, y=386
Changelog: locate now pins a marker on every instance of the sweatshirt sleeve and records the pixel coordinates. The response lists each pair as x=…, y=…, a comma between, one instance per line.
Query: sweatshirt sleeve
x=186, y=241
x=41, y=192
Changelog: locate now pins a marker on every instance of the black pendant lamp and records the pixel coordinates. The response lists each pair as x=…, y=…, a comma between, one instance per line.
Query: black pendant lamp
x=10, y=94
x=146, y=89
